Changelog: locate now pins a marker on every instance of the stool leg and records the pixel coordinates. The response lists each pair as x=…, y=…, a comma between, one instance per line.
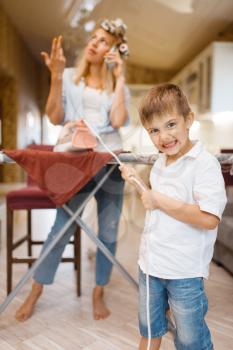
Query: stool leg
x=77, y=257
x=29, y=234
x=10, y=227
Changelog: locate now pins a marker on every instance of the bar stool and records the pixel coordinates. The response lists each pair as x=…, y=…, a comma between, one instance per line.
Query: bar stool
x=29, y=198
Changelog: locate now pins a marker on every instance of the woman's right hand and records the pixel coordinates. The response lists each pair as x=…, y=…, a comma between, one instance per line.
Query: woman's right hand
x=67, y=129
x=56, y=61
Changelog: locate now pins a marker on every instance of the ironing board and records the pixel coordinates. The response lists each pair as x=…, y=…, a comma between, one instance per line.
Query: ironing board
x=74, y=216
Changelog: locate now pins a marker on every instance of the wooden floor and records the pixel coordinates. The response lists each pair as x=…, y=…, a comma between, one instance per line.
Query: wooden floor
x=63, y=321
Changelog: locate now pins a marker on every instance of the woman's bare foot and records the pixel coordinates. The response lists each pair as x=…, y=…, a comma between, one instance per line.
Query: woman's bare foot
x=26, y=309
x=100, y=310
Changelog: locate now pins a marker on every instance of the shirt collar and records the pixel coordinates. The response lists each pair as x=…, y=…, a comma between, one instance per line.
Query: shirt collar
x=197, y=148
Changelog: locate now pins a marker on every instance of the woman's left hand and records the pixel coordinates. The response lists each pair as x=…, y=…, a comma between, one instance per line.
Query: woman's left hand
x=114, y=57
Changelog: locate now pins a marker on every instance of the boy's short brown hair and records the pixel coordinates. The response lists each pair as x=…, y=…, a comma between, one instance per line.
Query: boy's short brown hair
x=163, y=99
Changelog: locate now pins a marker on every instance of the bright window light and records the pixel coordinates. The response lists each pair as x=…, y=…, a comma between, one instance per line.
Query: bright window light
x=83, y=11
x=89, y=5
x=30, y=120
x=75, y=20
x=195, y=126
x=223, y=118
x=89, y=26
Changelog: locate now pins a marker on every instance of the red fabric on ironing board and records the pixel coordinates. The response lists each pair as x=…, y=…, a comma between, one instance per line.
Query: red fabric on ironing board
x=60, y=174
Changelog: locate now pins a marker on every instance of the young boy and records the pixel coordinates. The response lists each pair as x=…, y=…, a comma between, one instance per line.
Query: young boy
x=185, y=205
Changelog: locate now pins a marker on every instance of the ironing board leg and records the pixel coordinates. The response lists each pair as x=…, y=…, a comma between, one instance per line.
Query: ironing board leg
x=102, y=247
x=56, y=239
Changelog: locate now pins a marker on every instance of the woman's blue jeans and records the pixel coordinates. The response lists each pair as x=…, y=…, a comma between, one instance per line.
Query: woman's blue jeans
x=109, y=204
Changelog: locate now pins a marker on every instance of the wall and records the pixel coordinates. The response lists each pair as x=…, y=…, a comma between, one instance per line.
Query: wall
x=19, y=94
x=142, y=75
x=9, y=110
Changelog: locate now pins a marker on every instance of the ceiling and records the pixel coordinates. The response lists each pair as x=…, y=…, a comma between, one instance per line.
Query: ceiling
x=162, y=34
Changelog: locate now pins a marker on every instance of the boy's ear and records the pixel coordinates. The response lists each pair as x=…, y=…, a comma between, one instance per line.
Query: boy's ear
x=189, y=120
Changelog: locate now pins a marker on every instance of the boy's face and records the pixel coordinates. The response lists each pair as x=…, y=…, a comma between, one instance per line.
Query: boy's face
x=170, y=133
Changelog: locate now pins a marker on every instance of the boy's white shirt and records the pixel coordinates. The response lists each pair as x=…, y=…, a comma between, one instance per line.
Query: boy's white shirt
x=169, y=248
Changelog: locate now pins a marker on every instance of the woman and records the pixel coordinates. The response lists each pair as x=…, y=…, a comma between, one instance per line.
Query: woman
x=98, y=94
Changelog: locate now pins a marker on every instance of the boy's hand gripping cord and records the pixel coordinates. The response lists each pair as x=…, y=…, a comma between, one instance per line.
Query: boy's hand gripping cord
x=138, y=183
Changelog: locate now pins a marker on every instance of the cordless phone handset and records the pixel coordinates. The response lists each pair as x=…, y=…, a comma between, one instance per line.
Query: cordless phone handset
x=111, y=65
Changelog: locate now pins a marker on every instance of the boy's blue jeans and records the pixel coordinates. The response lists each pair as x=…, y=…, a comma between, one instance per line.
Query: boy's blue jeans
x=109, y=204
x=189, y=306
